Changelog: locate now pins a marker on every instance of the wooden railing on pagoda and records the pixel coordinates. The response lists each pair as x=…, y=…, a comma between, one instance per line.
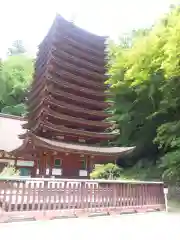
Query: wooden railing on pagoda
x=50, y=198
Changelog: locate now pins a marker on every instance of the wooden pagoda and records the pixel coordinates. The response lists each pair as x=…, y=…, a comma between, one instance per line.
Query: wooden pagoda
x=66, y=120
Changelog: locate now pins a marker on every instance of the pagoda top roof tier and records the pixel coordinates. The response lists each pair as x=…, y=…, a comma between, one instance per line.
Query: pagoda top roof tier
x=69, y=45
x=63, y=25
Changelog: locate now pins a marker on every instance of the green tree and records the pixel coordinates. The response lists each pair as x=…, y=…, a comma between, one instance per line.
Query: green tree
x=9, y=171
x=15, y=76
x=144, y=80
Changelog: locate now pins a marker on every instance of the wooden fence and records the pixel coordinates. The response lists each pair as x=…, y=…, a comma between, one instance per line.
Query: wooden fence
x=53, y=198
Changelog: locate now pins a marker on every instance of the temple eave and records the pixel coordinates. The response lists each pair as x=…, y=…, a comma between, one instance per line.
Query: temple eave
x=61, y=105
x=70, y=67
x=77, y=60
x=50, y=89
x=59, y=146
x=47, y=126
x=52, y=86
x=64, y=117
x=78, y=50
x=68, y=76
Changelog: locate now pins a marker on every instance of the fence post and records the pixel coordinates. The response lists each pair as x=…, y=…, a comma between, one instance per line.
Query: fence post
x=45, y=190
x=114, y=194
x=165, y=198
x=82, y=195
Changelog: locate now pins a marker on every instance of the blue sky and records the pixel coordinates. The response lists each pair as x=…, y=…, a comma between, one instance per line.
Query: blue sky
x=30, y=20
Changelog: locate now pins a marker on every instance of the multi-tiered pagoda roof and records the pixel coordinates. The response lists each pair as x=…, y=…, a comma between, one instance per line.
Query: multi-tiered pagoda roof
x=67, y=101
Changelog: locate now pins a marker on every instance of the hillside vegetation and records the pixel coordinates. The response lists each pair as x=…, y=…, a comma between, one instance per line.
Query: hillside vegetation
x=145, y=82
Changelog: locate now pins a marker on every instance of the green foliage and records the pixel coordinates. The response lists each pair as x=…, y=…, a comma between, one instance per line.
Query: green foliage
x=171, y=166
x=19, y=109
x=9, y=171
x=145, y=83
x=106, y=171
x=15, y=76
x=143, y=172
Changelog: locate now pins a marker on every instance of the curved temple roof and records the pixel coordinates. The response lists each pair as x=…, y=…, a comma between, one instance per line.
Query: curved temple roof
x=69, y=147
x=10, y=128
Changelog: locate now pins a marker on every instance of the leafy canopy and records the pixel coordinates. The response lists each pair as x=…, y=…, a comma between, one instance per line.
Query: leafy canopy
x=15, y=76
x=144, y=79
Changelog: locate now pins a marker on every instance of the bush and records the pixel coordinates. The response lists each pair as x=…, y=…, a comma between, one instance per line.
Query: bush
x=106, y=171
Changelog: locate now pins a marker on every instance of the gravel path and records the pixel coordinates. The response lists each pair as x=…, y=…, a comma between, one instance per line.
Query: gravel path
x=150, y=226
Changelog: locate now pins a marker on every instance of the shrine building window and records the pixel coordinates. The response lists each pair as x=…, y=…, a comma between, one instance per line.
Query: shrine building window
x=83, y=163
x=58, y=162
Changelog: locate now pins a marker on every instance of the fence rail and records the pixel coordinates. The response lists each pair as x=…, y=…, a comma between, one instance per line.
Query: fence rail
x=50, y=198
